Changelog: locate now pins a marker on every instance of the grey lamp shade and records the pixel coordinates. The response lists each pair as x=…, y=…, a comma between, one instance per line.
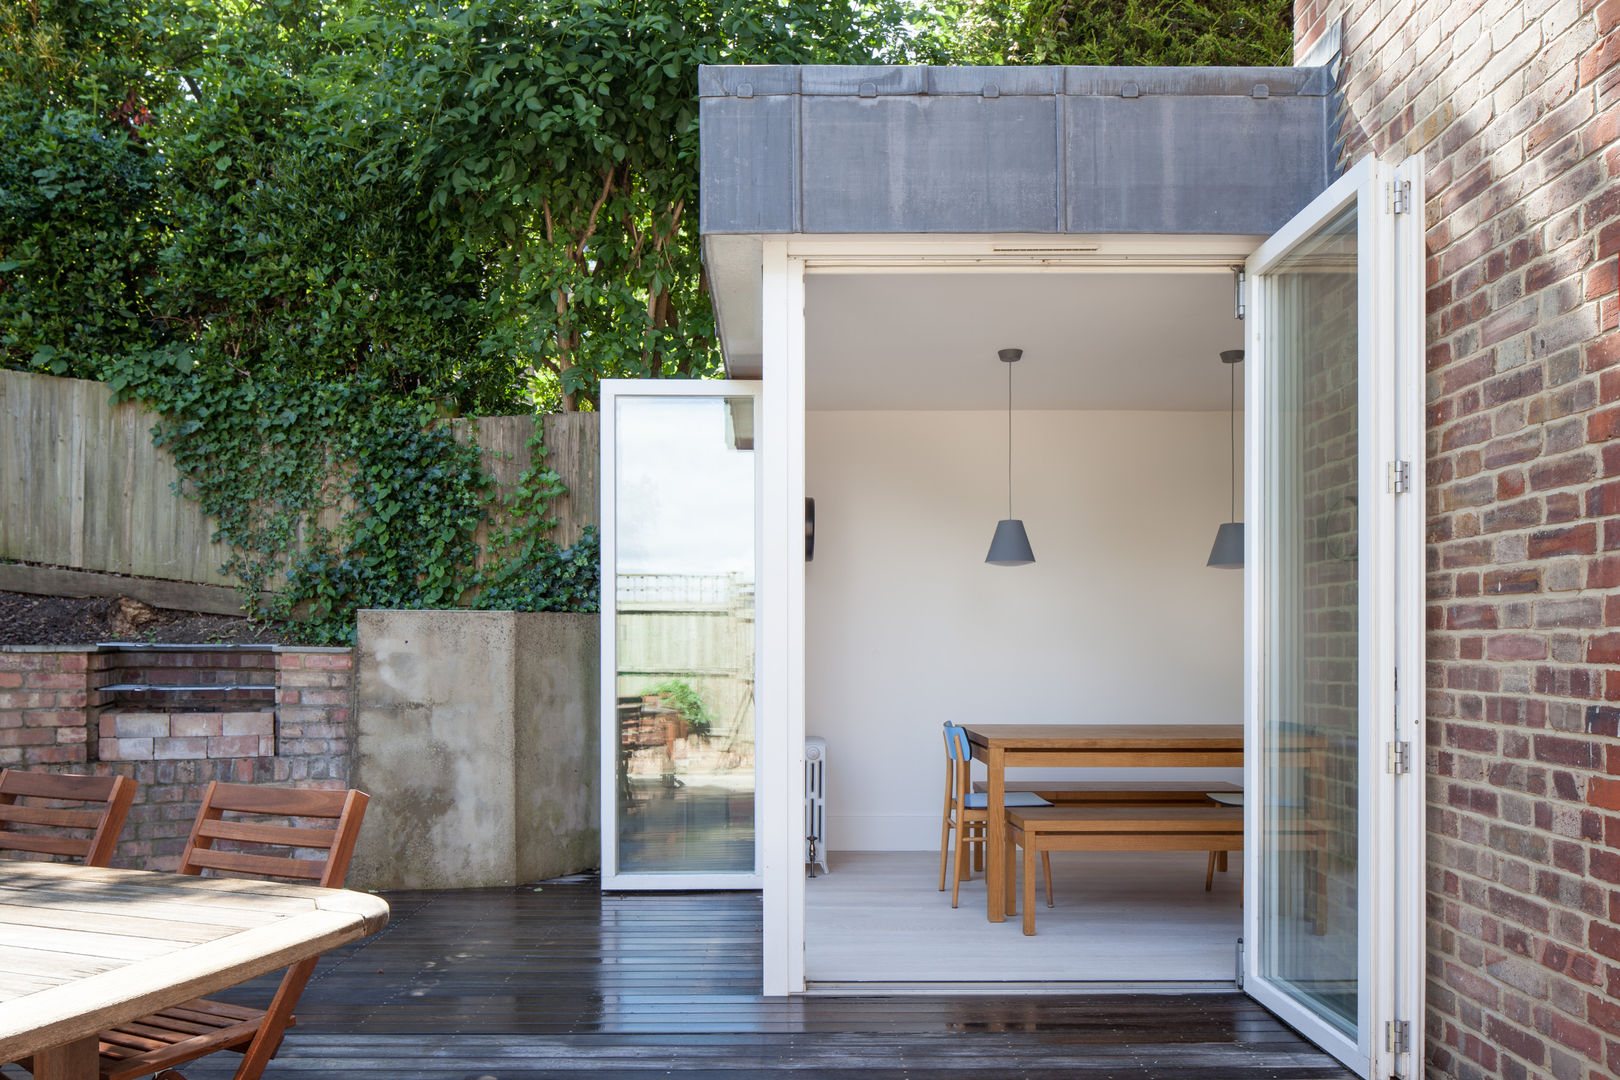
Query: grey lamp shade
x=1227, y=554
x=1010, y=545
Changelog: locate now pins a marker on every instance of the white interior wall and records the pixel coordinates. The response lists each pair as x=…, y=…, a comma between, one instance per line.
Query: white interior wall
x=1118, y=620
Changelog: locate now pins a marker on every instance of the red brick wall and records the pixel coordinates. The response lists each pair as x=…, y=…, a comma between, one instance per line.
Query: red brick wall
x=1515, y=109
x=42, y=707
x=47, y=706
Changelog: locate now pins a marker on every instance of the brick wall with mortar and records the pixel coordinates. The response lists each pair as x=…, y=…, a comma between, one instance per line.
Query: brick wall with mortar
x=1515, y=109
x=47, y=707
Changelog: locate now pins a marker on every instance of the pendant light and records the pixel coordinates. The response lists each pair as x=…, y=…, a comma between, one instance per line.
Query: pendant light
x=1227, y=554
x=1010, y=545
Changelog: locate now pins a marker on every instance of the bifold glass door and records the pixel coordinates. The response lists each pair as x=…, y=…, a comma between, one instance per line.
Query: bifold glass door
x=678, y=483
x=1330, y=612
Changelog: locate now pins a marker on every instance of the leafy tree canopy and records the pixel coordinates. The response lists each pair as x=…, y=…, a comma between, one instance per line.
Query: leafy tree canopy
x=492, y=204
x=1114, y=32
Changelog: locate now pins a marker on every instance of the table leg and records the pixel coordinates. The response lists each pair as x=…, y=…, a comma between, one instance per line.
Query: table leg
x=1030, y=859
x=70, y=1061
x=997, y=881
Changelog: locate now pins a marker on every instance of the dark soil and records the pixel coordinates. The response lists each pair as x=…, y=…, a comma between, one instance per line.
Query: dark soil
x=87, y=620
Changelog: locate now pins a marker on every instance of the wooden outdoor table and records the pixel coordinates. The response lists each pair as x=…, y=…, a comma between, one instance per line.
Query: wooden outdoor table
x=83, y=949
x=1004, y=746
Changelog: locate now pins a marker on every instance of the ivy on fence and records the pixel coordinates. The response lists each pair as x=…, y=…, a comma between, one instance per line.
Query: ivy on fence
x=337, y=496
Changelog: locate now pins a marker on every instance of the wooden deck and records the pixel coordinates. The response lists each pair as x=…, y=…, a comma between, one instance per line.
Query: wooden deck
x=563, y=981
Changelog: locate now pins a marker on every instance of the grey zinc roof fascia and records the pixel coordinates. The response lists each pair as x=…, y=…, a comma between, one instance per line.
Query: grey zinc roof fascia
x=826, y=150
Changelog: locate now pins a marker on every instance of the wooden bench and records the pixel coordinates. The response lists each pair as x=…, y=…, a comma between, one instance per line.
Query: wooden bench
x=1122, y=793
x=1119, y=792
x=1111, y=828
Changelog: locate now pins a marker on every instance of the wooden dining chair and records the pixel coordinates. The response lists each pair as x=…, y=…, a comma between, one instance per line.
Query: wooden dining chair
x=967, y=814
x=315, y=845
x=89, y=835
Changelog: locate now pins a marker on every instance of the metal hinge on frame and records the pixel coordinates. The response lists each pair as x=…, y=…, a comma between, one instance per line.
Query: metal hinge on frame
x=1238, y=278
x=1239, y=978
x=1400, y=477
x=1400, y=197
x=1398, y=757
x=1398, y=1036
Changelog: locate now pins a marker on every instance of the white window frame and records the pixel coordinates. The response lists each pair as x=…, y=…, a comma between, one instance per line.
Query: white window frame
x=612, y=878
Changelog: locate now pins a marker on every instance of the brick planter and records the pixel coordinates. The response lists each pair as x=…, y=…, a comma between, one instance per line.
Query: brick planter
x=166, y=717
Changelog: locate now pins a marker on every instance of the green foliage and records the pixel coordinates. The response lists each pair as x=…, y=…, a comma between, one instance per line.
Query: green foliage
x=492, y=204
x=684, y=699
x=374, y=494
x=1114, y=32
x=562, y=155
x=306, y=230
x=532, y=573
x=75, y=240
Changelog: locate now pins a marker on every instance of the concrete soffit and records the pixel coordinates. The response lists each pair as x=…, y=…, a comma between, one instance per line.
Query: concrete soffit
x=998, y=155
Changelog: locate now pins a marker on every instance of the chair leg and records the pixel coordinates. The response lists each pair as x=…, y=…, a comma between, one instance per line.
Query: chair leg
x=276, y=1018
x=958, y=861
x=1046, y=869
x=944, y=848
x=1220, y=863
x=1209, y=874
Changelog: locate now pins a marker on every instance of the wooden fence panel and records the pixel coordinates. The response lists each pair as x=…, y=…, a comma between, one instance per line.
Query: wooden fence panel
x=86, y=489
x=82, y=486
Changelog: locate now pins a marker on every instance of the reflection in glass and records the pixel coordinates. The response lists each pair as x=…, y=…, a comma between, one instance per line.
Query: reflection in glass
x=684, y=523
x=1309, y=740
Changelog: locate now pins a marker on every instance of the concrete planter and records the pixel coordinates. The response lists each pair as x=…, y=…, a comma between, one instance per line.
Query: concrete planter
x=476, y=735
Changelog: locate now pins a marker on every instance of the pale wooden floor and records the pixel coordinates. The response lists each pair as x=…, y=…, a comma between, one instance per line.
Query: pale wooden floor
x=1120, y=918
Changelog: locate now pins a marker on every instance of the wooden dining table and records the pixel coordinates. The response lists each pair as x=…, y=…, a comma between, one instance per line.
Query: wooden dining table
x=83, y=949
x=1005, y=746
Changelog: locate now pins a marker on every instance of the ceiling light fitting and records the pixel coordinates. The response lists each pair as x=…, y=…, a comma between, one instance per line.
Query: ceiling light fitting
x=1227, y=554
x=1010, y=545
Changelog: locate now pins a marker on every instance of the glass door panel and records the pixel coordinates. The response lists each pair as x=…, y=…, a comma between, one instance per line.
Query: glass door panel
x=679, y=778
x=1332, y=847
x=1310, y=741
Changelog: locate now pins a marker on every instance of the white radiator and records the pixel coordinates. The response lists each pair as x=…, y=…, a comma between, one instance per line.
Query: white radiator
x=815, y=804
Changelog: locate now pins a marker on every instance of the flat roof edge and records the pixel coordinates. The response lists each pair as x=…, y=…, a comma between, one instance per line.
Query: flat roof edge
x=820, y=80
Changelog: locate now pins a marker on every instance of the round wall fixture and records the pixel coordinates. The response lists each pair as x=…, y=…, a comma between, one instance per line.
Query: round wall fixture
x=809, y=529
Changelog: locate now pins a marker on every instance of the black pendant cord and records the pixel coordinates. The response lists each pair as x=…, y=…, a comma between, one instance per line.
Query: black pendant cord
x=1231, y=433
x=1009, y=441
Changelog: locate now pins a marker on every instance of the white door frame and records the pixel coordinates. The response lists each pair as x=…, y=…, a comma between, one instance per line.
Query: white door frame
x=780, y=596
x=612, y=878
x=1391, y=586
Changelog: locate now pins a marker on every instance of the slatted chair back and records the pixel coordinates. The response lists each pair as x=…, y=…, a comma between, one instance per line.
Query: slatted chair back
x=89, y=834
x=315, y=844
x=324, y=822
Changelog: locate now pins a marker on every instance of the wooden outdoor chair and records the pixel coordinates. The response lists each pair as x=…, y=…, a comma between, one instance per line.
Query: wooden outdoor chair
x=100, y=825
x=159, y=1042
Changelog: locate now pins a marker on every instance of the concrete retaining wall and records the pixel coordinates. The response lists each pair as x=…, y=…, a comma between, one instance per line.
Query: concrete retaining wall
x=481, y=728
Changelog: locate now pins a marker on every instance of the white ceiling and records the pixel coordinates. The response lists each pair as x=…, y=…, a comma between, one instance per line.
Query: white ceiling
x=1103, y=338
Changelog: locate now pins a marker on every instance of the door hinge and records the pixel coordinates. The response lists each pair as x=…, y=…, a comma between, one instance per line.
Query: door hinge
x=1239, y=979
x=1400, y=197
x=1238, y=278
x=1400, y=477
x=1398, y=757
x=1398, y=1036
